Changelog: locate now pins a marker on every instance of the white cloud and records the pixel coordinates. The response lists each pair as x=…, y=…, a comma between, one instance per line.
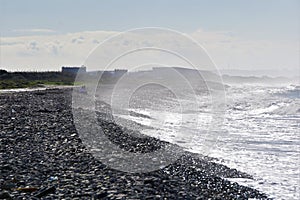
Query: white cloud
x=229, y=50
x=34, y=31
x=50, y=52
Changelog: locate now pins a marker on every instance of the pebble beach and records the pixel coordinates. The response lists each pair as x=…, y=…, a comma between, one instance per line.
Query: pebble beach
x=43, y=157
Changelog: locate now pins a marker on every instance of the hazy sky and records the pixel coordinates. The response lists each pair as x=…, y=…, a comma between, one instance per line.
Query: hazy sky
x=240, y=34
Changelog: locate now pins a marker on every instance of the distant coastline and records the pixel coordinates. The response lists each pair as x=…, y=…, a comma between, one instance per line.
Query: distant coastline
x=67, y=77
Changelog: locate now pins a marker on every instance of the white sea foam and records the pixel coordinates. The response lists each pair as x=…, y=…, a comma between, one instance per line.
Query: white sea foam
x=260, y=133
x=261, y=137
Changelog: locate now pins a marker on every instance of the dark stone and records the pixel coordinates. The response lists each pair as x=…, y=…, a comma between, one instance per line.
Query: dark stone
x=45, y=191
x=5, y=195
x=100, y=195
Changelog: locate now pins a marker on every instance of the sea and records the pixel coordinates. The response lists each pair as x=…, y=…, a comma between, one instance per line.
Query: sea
x=259, y=133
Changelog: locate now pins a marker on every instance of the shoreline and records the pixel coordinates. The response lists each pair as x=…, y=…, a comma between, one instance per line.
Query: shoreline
x=41, y=149
x=31, y=89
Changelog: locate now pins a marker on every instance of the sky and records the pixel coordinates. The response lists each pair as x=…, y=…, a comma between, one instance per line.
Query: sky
x=237, y=34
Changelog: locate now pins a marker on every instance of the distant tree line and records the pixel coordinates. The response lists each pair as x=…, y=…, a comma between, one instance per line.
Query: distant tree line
x=34, y=79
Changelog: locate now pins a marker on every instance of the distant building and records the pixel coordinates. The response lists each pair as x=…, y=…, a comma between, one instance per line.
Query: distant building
x=73, y=70
x=120, y=72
